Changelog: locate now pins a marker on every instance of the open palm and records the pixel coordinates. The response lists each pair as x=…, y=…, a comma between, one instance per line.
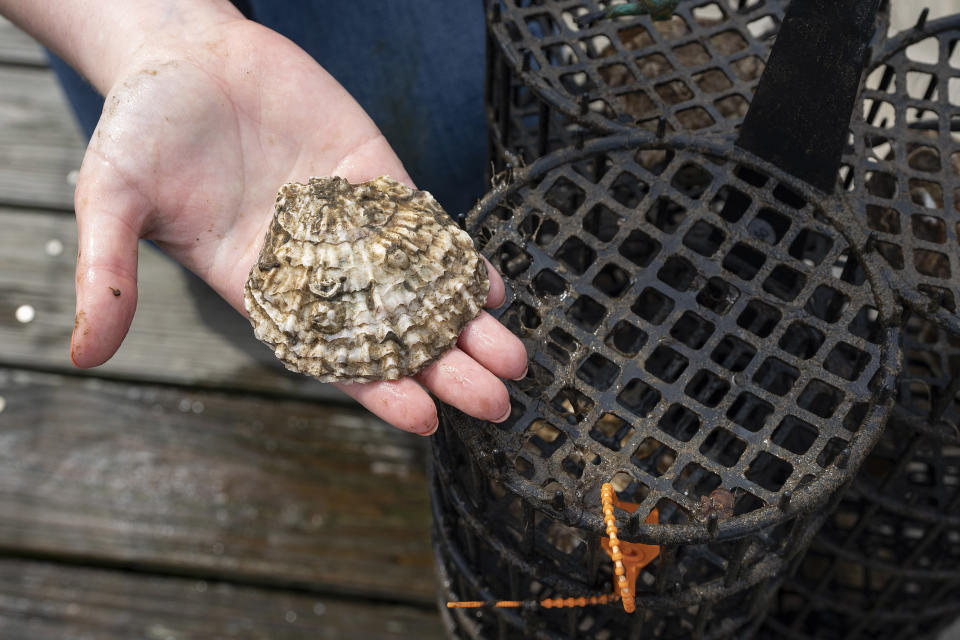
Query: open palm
x=194, y=141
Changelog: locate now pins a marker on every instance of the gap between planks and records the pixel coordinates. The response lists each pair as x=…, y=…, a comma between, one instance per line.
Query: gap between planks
x=198, y=483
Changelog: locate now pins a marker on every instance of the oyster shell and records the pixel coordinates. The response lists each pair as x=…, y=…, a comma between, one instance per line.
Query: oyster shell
x=362, y=282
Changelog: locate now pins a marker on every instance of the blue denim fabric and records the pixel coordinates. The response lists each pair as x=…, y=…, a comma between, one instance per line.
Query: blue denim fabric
x=415, y=66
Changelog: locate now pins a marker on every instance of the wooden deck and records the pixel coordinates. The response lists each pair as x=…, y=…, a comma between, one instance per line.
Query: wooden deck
x=189, y=488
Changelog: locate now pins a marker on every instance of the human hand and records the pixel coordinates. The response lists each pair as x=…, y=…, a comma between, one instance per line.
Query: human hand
x=196, y=136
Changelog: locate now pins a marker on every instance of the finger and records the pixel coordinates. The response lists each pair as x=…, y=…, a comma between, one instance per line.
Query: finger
x=460, y=381
x=497, y=293
x=106, y=281
x=402, y=403
x=492, y=345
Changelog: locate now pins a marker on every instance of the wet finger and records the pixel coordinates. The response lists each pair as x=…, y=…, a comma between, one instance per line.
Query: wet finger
x=462, y=382
x=492, y=345
x=497, y=293
x=402, y=403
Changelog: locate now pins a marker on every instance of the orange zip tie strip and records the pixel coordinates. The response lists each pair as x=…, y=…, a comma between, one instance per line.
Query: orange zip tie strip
x=629, y=558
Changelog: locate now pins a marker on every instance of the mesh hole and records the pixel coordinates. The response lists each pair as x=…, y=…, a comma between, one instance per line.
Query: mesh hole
x=749, y=68
x=679, y=422
x=759, y=318
x=628, y=190
x=611, y=431
x=524, y=467
x=846, y=361
x=547, y=283
x=537, y=379
x=819, y=398
x=602, y=223
x=666, y=364
x=571, y=404
x=691, y=54
x=785, y=283
x=855, y=417
x=673, y=92
x=801, y=340
x=795, y=435
x=542, y=231
x=928, y=228
x=728, y=42
x=612, y=280
x=733, y=354
x=616, y=75
x=734, y=106
x=666, y=215
x=677, y=272
x=749, y=411
x=866, y=325
x=520, y=317
x=565, y=196
x=769, y=226
x=830, y=451
x=931, y=263
x=513, y=260
x=639, y=248
x=692, y=330
x=769, y=472
x=639, y=397
x=691, y=180
x=880, y=184
x=598, y=372
x=655, y=160
x=576, y=254
x=587, y=313
x=707, y=388
x=704, y=238
x=827, y=303
x=626, y=338
x=561, y=345
x=653, y=457
x=654, y=66
x=712, y=81
x=723, y=447
x=811, y=247
x=544, y=438
x=695, y=118
x=652, y=306
x=883, y=219
x=744, y=261
x=892, y=253
x=718, y=295
x=695, y=481
x=573, y=465
x=776, y=376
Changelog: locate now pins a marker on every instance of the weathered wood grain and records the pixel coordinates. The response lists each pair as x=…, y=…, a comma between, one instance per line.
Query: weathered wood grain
x=260, y=490
x=39, y=601
x=183, y=333
x=39, y=142
x=16, y=47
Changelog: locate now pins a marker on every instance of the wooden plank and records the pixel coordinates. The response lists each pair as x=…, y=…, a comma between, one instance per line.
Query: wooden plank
x=250, y=489
x=39, y=601
x=39, y=142
x=16, y=47
x=183, y=333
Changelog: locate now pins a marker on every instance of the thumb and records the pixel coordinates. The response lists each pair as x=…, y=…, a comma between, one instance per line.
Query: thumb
x=106, y=272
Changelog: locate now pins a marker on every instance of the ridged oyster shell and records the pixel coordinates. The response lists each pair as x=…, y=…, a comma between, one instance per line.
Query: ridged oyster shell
x=362, y=282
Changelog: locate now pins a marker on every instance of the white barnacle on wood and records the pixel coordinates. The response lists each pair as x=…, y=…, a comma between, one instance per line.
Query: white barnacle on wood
x=362, y=282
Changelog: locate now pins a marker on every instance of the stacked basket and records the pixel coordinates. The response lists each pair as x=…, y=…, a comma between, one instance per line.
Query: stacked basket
x=706, y=333
x=887, y=563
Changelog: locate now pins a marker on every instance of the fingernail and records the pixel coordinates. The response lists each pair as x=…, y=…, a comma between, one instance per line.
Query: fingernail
x=432, y=430
x=522, y=375
x=506, y=415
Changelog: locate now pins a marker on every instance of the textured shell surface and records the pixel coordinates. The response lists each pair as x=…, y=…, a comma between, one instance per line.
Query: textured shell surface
x=362, y=282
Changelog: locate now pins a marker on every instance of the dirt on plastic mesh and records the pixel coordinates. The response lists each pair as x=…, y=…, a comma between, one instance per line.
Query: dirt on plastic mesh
x=692, y=320
x=549, y=71
x=903, y=169
x=887, y=562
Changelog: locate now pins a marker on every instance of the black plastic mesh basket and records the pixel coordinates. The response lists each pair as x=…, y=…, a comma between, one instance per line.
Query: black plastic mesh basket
x=551, y=78
x=696, y=322
x=903, y=171
x=887, y=563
